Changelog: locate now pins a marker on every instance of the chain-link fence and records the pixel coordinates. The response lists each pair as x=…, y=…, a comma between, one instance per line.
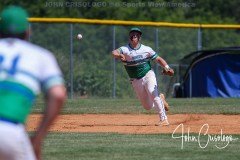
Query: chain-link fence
x=90, y=70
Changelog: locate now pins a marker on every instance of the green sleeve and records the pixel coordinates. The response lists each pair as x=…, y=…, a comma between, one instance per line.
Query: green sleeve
x=120, y=50
x=154, y=56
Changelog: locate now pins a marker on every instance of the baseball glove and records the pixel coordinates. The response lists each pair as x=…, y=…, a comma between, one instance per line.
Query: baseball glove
x=168, y=72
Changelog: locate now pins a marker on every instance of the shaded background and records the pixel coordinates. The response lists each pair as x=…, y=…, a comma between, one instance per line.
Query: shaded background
x=91, y=73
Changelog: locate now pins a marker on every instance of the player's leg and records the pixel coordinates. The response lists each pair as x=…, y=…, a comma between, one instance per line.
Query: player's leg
x=27, y=145
x=152, y=91
x=166, y=106
x=13, y=143
x=8, y=144
x=141, y=93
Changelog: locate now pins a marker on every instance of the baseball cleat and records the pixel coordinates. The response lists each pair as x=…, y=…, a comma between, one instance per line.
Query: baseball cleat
x=166, y=106
x=164, y=123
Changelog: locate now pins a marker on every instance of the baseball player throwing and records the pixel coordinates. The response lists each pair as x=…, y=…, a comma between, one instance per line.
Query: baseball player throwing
x=136, y=59
x=24, y=69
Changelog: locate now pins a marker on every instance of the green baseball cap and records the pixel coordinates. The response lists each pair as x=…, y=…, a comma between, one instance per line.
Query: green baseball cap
x=14, y=20
x=136, y=30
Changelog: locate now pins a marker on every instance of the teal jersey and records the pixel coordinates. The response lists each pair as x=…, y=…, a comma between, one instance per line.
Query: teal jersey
x=25, y=71
x=137, y=62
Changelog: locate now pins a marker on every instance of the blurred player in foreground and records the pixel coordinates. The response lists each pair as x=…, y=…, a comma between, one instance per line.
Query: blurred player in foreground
x=136, y=59
x=25, y=69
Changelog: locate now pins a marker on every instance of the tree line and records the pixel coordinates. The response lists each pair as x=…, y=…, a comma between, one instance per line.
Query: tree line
x=93, y=64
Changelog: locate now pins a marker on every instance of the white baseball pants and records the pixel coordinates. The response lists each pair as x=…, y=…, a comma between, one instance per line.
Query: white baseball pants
x=14, y=142
x=147, y=92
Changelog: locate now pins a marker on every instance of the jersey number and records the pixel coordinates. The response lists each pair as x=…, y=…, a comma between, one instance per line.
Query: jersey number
x=12, y=70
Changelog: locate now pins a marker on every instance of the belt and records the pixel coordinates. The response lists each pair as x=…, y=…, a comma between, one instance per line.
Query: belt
x=8, y=120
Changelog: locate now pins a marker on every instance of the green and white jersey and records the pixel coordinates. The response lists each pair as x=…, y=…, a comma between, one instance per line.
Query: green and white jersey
x=25, y=70
x=137, y=62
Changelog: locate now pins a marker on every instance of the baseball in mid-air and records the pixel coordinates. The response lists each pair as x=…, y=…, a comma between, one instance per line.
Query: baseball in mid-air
x=79, y=36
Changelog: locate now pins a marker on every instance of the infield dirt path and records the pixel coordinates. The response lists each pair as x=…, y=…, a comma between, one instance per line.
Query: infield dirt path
x=141, y=123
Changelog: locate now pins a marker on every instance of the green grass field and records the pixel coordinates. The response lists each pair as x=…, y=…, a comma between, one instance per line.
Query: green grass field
x=133, y=106
x=76, y=146
x=112, y=146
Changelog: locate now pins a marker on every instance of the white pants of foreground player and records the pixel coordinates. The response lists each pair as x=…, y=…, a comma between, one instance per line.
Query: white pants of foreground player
x=14, y=142
x=147, y=92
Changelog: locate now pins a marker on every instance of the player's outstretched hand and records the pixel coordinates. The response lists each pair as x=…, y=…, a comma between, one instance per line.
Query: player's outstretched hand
x=169, y=72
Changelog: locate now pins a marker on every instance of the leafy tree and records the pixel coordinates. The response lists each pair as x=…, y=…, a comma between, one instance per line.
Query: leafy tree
x=92, y=62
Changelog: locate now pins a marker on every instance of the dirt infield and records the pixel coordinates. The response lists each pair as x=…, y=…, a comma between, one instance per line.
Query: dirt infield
x=141, y=124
